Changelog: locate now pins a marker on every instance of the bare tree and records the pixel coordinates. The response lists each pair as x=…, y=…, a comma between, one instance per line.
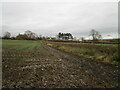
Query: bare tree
x=31, y=35
x=6, y=35
x=40, y=36
x=34, y=36
x=82, y=38
x=28, y=33
x=95, y=35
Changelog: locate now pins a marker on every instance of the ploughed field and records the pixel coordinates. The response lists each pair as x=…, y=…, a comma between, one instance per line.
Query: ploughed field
x=36, y=64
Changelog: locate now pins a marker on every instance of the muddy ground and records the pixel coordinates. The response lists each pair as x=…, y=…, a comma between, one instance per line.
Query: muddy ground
x=51, y=68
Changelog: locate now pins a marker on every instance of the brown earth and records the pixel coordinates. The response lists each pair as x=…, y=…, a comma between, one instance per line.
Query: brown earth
x=51, y=68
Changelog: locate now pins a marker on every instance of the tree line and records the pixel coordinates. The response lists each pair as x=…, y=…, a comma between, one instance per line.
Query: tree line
x=29, y=35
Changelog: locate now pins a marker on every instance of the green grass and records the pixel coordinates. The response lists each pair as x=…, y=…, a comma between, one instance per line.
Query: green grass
x=21, y=44
x=18, y=50
x=108, y=44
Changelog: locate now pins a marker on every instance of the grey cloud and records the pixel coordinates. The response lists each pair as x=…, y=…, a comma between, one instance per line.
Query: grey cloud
x=50, y=18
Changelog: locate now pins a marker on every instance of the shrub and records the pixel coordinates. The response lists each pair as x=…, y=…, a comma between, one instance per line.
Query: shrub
x=116, y=57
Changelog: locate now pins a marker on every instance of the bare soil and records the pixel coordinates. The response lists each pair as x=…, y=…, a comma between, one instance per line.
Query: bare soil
x=51, y=68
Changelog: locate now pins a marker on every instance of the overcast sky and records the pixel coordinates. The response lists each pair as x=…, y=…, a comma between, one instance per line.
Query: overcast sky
x=49, y=18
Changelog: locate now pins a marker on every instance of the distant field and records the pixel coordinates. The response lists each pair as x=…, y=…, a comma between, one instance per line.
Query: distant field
x=107, y=53
x=20, y=44
x=18, y=50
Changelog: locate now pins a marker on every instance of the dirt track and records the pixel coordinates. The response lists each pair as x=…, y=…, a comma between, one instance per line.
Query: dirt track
x=54, y=68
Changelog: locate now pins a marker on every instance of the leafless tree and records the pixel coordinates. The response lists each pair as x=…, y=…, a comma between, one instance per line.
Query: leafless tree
x=95, y=35
x=6, y=35
x=28, y=33
x=31, y=35
x=82, y=38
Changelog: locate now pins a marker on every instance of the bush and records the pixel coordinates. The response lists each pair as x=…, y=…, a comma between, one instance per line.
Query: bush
x=116, y=57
